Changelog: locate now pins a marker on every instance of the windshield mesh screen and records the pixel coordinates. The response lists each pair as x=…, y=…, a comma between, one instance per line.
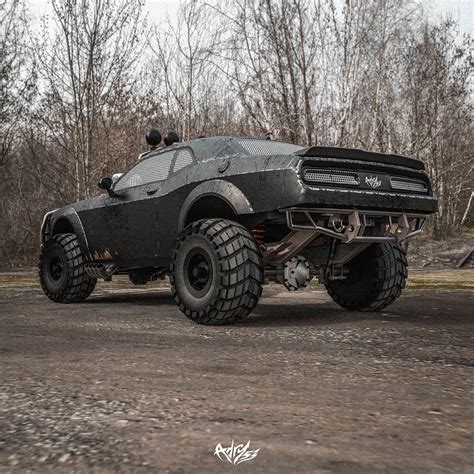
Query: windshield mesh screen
x=267, y=147
x=155, y=168
x=183, y=159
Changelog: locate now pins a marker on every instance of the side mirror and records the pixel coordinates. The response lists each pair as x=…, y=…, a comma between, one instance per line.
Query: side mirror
x=106, y=185
x=116, y=177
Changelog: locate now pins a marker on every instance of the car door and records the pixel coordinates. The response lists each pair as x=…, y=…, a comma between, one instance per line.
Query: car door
x=153, y=216
x=137, y=193
x=122, y=227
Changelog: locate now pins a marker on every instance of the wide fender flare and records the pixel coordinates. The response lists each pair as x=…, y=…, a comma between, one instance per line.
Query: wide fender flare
x=71, y=216
x=225, y=190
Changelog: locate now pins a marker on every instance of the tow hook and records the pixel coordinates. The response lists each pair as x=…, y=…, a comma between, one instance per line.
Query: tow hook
x=336, y=223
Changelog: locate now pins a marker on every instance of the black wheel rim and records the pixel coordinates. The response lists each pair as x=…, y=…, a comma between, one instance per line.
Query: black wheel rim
x=198, y=272
x=56, y=268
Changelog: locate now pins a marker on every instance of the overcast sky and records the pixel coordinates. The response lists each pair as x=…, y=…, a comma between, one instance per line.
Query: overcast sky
x=460, y=10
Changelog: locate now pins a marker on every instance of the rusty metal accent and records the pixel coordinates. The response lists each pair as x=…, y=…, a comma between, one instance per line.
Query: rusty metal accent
x=399, y=224
x=288, y=247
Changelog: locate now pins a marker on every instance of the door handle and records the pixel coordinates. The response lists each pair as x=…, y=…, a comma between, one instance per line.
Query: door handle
x=151, y=191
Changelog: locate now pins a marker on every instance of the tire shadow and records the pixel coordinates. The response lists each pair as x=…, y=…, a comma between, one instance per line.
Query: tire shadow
x=150, y=298
x=301, y=314
x=307, y=312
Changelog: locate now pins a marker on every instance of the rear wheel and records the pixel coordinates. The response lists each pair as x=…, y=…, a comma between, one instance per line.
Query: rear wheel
x=216, y=272
x=61, y=270
x=375, y=279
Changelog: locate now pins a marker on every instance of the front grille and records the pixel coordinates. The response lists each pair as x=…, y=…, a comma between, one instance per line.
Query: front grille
x=329, y=176
x=404, y=184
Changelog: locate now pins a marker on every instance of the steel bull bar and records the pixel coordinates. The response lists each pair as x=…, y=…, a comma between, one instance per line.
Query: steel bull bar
x=354, y=225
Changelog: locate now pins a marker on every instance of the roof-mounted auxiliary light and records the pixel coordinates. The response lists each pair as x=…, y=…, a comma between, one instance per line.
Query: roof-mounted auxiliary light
x=153, y=138
x=170, y=138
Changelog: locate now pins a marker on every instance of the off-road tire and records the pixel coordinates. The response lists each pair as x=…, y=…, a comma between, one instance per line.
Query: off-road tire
x=70, y=284
x=375, y=279
x=234, y=269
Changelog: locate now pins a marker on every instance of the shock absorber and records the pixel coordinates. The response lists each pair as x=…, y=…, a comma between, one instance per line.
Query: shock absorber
x=258, y=233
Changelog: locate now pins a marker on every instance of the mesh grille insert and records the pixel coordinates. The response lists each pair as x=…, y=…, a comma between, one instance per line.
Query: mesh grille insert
x=328, y=176
x=267, y=147
x=404, y=184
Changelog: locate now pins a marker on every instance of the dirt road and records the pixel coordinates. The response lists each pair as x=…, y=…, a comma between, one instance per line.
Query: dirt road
x=124, y=382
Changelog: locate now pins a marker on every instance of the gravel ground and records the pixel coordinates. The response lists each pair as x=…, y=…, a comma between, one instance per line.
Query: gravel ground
x=124, y=382
x=425, y=252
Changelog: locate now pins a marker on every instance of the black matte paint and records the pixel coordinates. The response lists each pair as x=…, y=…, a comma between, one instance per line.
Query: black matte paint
x=138, y=226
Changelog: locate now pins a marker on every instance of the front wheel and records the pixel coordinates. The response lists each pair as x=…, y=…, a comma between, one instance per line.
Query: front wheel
x=61, y=270
x=375, y=279
x=216, y=272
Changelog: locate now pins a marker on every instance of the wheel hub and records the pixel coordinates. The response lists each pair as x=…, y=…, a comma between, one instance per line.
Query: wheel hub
x=56, y=268
x=296, y=274
x=198, y=269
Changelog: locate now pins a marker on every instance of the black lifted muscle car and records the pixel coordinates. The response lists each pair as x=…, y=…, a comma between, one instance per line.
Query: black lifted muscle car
x=224, y=215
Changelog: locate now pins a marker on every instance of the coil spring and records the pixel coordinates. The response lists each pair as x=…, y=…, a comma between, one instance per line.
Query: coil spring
x=258, y=233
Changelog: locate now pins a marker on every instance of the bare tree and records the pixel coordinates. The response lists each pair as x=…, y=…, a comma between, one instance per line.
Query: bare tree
x=78, y=97
x=17, y=83
x=16, y=73
x=84, y=61
x=183, y=55
x=272, y=47
x=438, y=92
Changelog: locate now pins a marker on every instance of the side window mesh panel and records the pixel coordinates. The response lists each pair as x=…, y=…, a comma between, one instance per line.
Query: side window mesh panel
x=267, y=147
x=155, y=168
x=183, y=159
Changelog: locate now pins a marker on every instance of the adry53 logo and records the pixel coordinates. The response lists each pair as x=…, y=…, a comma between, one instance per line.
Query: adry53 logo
x=235, y=454
x=373, y=181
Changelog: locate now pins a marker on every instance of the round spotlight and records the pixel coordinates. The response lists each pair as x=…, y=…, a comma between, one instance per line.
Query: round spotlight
x=153, y=137
x=170, y=138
